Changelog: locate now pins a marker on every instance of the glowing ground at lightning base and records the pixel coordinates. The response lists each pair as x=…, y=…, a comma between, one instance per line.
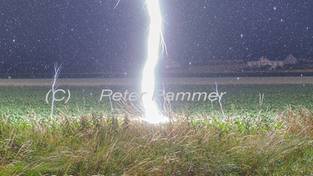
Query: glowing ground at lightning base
x=151, y=110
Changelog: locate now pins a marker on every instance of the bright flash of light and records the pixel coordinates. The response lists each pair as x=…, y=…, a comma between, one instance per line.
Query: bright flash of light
x=148, y=83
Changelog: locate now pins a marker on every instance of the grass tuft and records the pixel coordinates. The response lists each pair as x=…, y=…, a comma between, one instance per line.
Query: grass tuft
x=93, y=145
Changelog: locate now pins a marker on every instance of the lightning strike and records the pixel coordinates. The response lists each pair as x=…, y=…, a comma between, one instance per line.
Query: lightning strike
x=152, y=113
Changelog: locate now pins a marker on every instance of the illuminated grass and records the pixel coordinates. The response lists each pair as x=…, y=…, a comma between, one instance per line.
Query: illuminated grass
x=92, y=145
x=25, y=102
x=254, y=139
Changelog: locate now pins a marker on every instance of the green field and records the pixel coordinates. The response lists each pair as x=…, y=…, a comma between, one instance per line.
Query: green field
x=19, y=102
x=273, y=136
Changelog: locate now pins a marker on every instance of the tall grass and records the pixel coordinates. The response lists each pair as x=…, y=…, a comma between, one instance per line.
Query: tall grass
x=91, y=145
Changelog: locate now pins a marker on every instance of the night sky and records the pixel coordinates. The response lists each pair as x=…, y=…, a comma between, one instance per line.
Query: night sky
x=91, y=36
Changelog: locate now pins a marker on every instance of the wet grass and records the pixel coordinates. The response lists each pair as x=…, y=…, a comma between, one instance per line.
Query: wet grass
x=93, y=145
x=272, y=137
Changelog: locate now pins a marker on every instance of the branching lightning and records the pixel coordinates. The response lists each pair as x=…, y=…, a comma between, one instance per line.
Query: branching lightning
x=117, y=3
x=155, y=40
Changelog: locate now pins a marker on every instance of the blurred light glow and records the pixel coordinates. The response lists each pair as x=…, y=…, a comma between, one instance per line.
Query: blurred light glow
x=152, y=113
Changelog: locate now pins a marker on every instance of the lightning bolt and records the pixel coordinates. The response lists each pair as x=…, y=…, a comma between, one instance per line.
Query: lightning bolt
x=148, y=83
x=117, y=3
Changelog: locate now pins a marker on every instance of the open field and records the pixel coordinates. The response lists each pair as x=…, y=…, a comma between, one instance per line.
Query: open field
x=20, y=102
x=168, y=81
x=265, y=130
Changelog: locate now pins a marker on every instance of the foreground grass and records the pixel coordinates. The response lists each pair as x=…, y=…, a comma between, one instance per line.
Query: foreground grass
x=95, y=145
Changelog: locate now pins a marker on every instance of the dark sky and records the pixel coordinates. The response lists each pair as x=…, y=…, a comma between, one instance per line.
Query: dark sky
x=89, y=36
